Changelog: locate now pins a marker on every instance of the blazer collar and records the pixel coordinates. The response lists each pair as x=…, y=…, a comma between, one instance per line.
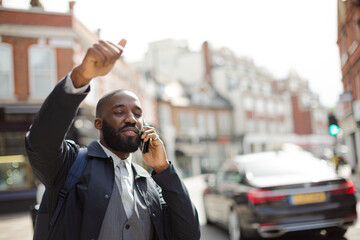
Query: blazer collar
x=95, y=150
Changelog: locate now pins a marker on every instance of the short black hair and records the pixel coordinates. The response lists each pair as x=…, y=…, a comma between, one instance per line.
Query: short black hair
x=104, y=99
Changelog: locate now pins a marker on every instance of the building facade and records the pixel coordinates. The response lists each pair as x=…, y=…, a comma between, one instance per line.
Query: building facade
x=264, y=112
x=348, y=110
x=269, y=112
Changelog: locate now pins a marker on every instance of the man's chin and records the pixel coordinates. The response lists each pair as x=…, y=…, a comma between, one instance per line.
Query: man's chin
x=129, y=145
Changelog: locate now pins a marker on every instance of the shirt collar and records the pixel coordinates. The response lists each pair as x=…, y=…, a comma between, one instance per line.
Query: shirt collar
x=116, y=159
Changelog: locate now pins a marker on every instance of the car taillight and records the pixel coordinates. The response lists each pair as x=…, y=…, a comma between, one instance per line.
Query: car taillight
x=344, y=188
x=257, y=196
x=207, y=191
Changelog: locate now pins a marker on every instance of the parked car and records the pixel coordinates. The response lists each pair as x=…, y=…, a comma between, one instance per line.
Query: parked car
x=271, y=194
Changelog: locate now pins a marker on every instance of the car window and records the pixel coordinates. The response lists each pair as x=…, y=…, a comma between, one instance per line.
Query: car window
x=219, y=177
x=233, y=176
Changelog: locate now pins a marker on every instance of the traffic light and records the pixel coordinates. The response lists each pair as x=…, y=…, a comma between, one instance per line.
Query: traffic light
x=333, y=125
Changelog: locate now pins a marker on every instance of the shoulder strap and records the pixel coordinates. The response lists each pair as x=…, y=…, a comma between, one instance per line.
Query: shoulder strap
x=75, y=172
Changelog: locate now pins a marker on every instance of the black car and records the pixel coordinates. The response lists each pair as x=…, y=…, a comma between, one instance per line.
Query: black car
x=271, y=194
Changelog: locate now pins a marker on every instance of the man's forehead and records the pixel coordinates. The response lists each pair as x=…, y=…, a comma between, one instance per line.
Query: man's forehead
x=124, y=97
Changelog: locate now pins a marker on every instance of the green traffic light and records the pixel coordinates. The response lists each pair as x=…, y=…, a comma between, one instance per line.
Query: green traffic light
x=333, y=129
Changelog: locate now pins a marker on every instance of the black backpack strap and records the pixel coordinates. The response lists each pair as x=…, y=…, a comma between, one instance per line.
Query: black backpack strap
x=72, y=178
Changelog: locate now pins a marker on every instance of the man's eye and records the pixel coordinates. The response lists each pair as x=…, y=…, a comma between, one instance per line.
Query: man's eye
x=118, y=113
x=138, y=115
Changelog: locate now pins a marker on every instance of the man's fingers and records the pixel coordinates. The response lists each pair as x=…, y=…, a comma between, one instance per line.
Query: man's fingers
x=110, y=55
x=115, y=49
x=96, y=54
x=122, y=44
x=110, y=51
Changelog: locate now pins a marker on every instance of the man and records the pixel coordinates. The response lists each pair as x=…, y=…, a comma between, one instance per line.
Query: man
x=114, y=198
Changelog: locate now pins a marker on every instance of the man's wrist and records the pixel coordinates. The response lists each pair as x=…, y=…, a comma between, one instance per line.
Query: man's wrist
x=161, y=168
x=78, y=78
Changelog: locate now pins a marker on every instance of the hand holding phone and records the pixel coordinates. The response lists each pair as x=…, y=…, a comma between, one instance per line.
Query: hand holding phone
x=155, y=156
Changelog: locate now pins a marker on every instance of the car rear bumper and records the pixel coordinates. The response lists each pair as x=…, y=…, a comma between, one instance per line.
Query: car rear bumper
x=279, y=230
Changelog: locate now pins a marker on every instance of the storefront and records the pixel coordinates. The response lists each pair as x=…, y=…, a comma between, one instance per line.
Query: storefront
x=17, y=183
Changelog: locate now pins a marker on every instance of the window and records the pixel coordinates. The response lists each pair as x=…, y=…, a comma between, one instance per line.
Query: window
x=15, y=170
x=248, y=103
x=233, y=82
x=250, y=125
x=6, y=71
x=244, y=84
x=201, y=124
x=224, y=123
x=42, y=69
x=260, y=106
x=165, y=115
x=305, y=100
x=233, y=176
x=270, y=107
x=262, y=126
x=266, y=88
x=220, y=175
x=186, y=121
x=280, y=108
x=211, y=125
x=255, y=86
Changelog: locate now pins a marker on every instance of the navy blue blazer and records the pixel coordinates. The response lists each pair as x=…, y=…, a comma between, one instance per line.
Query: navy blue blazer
x=172, y=212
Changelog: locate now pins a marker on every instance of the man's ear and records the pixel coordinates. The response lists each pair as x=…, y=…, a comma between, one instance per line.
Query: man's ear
x=98, y=123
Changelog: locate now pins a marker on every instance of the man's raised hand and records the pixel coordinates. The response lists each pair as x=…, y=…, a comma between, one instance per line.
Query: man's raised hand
x=98, y=61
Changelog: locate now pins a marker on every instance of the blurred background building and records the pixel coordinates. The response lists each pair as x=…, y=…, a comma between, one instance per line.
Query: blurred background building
x=348, y=109
x=256, y=112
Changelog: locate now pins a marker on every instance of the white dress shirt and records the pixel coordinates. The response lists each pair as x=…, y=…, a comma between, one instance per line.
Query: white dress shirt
x=70, y=88
x=124, y=178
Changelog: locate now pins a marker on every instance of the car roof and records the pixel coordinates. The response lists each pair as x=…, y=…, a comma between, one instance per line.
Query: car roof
x=274, y=155
x=281, y=164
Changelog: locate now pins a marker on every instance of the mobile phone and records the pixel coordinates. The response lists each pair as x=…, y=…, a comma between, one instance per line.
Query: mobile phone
x=144, y=146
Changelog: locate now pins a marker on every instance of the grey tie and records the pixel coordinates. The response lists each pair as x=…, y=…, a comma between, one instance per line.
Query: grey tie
x=126, y=189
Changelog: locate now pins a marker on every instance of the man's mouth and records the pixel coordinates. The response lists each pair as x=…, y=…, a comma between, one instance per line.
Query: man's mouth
x=130, y=131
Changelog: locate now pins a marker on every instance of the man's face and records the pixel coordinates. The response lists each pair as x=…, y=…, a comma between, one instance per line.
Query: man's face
x=122, y=122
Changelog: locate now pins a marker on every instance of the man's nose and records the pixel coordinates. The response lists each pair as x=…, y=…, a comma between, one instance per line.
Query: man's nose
x=130, y=118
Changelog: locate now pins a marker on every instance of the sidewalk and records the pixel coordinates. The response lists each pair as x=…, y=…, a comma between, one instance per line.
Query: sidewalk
x=356, y=180
x=16, y=226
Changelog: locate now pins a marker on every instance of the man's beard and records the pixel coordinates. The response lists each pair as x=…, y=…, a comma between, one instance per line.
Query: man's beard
x=116, y=141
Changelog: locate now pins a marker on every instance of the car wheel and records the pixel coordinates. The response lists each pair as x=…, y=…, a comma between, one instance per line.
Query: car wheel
x=234, y=226
x=335, y=233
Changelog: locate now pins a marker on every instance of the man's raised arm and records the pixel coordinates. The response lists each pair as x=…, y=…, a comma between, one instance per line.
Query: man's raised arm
x=45, y=141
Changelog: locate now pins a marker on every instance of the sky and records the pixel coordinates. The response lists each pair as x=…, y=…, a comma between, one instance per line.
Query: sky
x=280, y=35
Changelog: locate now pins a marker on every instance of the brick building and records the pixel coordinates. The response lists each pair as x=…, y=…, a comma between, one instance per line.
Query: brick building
x=348, y=111
x=37, y=49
